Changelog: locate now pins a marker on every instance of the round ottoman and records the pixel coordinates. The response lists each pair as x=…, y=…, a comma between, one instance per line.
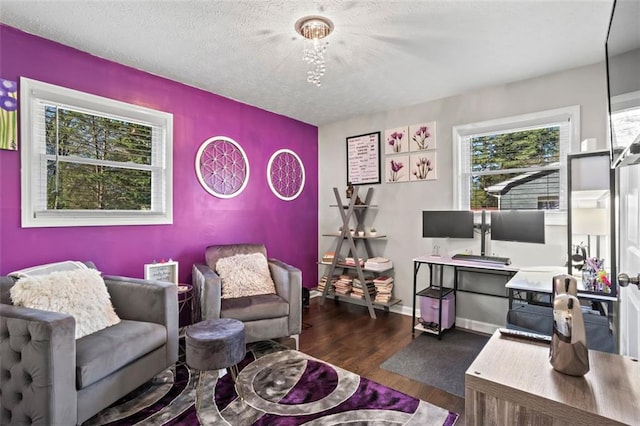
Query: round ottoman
x=213, y=345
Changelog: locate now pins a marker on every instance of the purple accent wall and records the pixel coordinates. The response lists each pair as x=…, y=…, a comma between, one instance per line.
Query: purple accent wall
x=288, y=229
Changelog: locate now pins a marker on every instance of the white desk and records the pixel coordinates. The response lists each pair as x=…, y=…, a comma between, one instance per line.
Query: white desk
x=448, y=261
x=458, y=265
x=540, y=280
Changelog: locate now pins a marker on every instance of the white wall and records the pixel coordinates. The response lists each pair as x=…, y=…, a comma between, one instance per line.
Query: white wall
x=401, y=204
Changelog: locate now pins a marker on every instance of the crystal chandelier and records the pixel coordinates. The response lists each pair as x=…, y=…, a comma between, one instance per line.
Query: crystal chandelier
x=314, y=29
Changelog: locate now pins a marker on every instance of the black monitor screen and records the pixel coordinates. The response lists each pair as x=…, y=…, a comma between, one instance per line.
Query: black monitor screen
x=447, y=224
x=525, y=226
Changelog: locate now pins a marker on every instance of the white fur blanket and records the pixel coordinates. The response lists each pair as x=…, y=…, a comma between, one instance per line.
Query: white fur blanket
x=245, y=275
x=81, y=293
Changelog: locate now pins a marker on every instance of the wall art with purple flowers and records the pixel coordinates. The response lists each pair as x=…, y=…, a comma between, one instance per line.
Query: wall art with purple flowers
x=395, y=140
x=397, y=168
x=423, y=165
x=422, y=137
x=8, y=114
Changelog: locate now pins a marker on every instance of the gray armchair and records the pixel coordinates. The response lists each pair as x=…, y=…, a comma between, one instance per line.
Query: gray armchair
x=50, y=378
x=266, y=316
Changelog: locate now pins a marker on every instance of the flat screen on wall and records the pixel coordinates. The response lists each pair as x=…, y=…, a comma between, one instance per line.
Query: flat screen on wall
x=447, y=224
x=524, y=226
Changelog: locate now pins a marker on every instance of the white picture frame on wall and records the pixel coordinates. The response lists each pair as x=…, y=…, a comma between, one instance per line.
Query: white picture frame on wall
x=397, y=168
x=363, y=159
x=422, y=137
x=396, y=141
x=423, y=166
x=162, y=271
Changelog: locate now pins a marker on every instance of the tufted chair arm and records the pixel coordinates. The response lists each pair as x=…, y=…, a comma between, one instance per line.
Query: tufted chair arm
x=288, y=281
x=37, y=367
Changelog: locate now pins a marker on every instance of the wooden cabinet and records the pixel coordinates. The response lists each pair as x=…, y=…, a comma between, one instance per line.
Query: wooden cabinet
x=511, y=382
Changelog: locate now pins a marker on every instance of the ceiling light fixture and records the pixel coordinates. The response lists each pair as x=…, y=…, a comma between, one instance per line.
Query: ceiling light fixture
x=314, y=29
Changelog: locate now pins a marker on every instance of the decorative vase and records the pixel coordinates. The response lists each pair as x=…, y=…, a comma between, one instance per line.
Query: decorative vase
x=568, y=353
x=589, y=278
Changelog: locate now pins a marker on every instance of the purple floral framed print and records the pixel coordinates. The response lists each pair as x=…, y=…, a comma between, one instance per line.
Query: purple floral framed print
x=423, y=165
x=8, y=114
x=395, y=141
x=397, y=168
x=422, y=137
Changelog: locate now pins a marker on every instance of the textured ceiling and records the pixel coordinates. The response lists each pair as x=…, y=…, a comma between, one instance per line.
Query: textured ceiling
x=382, y=54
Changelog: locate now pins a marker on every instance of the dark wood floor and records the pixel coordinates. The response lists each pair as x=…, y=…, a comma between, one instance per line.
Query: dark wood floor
x=345, y=335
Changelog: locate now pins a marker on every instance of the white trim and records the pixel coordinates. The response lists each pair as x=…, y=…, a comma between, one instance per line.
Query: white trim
x=275, y=192
x=31, y=93
x=535, y=119
x=477, y=326
x=464, y=323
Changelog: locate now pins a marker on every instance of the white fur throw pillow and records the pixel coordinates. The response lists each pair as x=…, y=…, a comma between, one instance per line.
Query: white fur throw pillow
x=81, y=293
x=245, y=275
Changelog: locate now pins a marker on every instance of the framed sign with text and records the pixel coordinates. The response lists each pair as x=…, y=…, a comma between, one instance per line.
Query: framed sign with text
x=163, y=271
x=363, y=159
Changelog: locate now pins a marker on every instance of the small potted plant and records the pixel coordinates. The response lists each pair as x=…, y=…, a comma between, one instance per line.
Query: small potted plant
x=373, y=232
x=361, y=233
x=353, y=231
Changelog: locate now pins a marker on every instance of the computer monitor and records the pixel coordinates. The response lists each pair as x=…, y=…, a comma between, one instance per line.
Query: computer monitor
x=447, y=224
x=525, y=226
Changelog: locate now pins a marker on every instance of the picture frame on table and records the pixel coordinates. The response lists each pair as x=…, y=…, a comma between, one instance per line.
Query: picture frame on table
x=162, y=271
x=363, y=159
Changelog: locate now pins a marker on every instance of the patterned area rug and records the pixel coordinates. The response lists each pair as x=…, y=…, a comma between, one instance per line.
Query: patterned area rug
x=279, y=386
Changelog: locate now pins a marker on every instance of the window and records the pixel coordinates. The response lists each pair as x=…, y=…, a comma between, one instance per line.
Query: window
x=89, y=160
x=551, y=202
x=516, y=163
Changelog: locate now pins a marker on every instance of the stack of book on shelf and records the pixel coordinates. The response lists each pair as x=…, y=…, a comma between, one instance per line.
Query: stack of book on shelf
x=350, y=261
x=358, y=289
x=328, y=257
x=378, y=264
x=384, y=286
x=322, y=283
x=343, y=284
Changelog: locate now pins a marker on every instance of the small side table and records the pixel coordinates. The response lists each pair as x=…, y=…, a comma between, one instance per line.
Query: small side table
x=185, y=300
x=185, y=296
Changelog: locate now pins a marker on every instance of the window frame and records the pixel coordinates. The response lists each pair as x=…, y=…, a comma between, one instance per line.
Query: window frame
x=34, y=169
x=518, y=122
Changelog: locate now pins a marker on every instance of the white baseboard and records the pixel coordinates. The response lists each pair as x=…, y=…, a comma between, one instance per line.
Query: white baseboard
x=404, y=310
x=473, y=325
x=468, y=324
